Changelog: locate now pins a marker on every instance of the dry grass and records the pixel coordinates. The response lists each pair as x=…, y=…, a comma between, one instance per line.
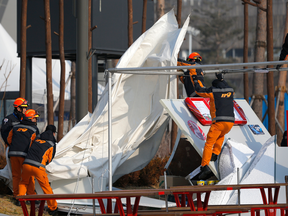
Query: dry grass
x=7, y=207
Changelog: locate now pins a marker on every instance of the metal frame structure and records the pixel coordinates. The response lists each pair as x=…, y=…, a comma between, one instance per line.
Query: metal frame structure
x=223, y=68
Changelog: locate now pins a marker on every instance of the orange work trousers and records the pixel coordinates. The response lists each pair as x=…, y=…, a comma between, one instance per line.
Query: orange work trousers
x=41, y=176
x=214, y=141
x=16, y=169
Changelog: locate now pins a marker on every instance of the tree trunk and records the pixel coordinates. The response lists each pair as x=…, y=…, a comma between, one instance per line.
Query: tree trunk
x=260, y=46
x=281, y=91
x=270, y=77
x=174, y=129
x=144, y=16
x=48, y=62
x=130, y=23
x=245, y=51
x=160, y=8
x=23, y=49
x=62, y=78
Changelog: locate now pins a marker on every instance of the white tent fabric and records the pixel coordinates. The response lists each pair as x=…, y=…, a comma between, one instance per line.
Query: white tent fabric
x=8, y=56
x=261, y=170
x=233, y=155
x=10, y=61
x=137, y=115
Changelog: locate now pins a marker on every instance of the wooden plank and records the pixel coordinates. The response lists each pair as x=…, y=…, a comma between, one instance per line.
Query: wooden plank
x=149, y=192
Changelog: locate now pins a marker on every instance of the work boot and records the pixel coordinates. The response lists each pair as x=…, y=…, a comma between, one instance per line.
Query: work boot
x=53, y=213
x=205, y=173
x=37, y=202
x=214, y=157
x=16, y=202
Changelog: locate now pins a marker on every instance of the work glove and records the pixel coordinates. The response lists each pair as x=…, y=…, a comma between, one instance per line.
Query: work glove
x=278, y=67
x=194, y=77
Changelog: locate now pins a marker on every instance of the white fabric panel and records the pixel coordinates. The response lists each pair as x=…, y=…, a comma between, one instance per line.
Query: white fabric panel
x=260, y=171
x=137, y=114
x=233, y=155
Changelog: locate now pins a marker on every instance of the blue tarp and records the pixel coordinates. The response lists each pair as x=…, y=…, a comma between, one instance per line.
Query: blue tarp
x=264, y=108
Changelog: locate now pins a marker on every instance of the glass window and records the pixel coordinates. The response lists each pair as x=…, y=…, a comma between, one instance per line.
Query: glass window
x=1, y=110
x=9, y=106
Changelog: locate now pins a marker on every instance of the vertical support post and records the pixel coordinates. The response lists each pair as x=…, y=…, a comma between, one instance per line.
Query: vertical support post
x=130, y=23
x=23, y=48
x=93, y=190
x=28, y=92
x=190, y=42
x=270, y=78
x=238, y=181
x=81, y=59
x=166, y=201
x=144, y=16
x=245, y=51
x=94, y=81
x=286, y=125
x=90, y=92
x=109, y=130
x=286, y=187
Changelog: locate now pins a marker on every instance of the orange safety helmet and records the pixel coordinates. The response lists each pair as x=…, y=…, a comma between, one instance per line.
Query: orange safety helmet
x=20, y=102
x=31, y=113
x=194, y=56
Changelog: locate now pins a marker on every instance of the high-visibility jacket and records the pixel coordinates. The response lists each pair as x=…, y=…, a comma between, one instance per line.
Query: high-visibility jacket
x=187, y=78
x=42, y=150
x=20, y=138
x=221, y=100
x=8, y=122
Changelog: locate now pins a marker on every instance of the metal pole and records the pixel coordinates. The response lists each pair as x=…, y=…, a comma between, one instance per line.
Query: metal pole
x=190, y=42
x=166, y=201
x=205, y=71
x=214, y=66
x=81, y=59
x=110, y=131
x=93, y=192
x=238, y=181
x=28, y=87
x=94, y=81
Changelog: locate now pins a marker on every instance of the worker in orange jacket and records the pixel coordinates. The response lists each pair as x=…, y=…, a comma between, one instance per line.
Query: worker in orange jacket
x=41, y=153
x=193, y=59
x=19, y=139
x=20, y=106
x=222, y=114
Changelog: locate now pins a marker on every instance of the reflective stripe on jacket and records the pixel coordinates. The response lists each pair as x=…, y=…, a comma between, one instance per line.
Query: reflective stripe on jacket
x=40, y=153
x=221, y=101
x=20, y=138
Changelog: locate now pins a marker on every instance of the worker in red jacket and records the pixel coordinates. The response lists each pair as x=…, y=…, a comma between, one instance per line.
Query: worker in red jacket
x=19, y=139
x=193, y=59
x=41, y=153
x=20, y=106
x=222, y=114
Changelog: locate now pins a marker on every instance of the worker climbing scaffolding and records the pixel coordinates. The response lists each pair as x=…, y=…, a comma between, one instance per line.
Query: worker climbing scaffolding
x=193, y=59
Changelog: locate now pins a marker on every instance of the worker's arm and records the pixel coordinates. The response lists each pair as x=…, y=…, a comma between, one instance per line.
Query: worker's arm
x=32, y=139
x=9, y=138
x=200, y=90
